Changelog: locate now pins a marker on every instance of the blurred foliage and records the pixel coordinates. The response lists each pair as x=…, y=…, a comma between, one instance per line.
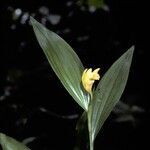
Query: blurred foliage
x=94, y=3
x=9, y=143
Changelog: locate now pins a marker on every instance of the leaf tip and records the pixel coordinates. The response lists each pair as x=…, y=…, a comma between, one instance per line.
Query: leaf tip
x=2, y=138
x=1, y=134
x=129, y=53
x=32, y=20
x=131, y=49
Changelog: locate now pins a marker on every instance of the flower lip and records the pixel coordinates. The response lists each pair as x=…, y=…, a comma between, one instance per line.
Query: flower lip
x=89, y=77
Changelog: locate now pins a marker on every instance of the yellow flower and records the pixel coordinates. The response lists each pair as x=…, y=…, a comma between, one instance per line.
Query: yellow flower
x=89, y=77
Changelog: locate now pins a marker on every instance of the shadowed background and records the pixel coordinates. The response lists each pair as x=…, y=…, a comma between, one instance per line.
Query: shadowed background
x=34, y=106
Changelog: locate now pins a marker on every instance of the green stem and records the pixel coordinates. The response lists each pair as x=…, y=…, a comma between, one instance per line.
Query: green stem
x=91, y=142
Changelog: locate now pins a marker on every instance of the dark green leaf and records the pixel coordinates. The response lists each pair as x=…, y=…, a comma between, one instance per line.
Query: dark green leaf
x=109, y=91
x=81, y=124
x=64, y=61
x=9, y=143
x=82, y=132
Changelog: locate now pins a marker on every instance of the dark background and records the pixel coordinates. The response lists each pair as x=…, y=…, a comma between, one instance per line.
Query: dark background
x=33, y=103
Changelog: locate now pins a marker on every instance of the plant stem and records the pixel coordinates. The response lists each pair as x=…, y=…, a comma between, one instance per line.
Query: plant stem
x=91, y=142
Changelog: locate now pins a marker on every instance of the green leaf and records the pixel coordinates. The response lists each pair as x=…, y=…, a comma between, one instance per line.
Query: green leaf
x=82, y=132
x=64, y=61
x=81, y=124
x=109, y=91
x=9, y=143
